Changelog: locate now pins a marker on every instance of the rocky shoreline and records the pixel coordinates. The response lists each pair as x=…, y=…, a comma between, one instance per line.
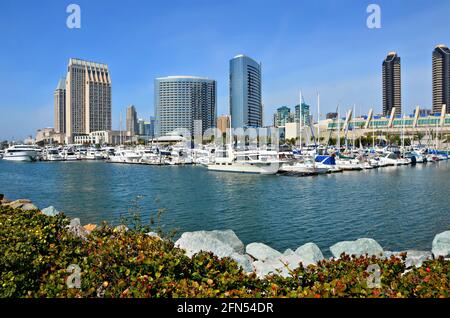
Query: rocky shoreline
x=257, y=257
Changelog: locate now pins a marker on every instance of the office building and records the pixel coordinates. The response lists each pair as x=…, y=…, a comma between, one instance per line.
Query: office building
x=60, y=106
x=223, y=123
x=132, y=121
x=392, y=95
x=441, y=78
x=245, y=92
x=182, y=102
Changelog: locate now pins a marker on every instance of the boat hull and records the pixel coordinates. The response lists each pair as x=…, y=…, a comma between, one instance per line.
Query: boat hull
x=265, y=169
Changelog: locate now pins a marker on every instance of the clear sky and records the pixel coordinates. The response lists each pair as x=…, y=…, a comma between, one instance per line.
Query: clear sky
x=320, y=45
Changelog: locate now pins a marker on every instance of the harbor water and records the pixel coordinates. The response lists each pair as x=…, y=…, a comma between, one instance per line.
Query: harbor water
x=400, y=207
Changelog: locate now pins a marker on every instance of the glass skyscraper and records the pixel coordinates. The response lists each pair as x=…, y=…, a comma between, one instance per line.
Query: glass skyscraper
x=441, y=78
x=182, y=101
x=245, y=92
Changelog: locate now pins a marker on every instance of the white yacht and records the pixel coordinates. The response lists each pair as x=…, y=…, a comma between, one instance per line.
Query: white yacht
x=21, y=153
x=53, y=154
x=125, y=156
x=245, y=162
x=94, y=154
x=305, y=167
x=71, y=155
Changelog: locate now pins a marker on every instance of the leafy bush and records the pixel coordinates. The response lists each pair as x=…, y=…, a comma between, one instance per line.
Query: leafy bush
x=36, y=251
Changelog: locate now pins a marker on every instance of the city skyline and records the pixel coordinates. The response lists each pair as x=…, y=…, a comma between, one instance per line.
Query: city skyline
x=348, y=74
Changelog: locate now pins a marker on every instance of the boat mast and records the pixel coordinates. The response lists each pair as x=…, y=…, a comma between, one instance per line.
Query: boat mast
x=338, y=141
x=318, y=117
x=300, y=121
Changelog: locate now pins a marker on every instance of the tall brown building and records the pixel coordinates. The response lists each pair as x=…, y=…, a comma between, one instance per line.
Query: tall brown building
x=88, y=98
x=132, y=121
x=223, y=123
x=392, y=84
x=441, y=78
x=60, y=106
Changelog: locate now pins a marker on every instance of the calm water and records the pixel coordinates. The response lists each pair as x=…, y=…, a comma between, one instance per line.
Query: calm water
x=399, y=207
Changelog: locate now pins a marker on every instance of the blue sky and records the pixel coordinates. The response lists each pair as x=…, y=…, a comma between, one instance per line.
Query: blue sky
x=314, y=46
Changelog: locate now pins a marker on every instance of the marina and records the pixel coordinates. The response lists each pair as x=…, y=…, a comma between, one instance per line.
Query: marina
x=401, y=206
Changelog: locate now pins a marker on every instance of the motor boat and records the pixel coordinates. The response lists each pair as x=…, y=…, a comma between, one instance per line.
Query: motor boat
x=125, y=156
x=245, y=162
x=21, y=153
x=53, y=154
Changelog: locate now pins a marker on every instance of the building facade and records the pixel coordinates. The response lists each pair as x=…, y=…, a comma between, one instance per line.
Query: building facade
x=182, y=101
x=88, y=98
x=441, y=78
x=60, y=106
x=304, y=115
x=282, y=116
x=391, y=75
x=223, y=123
x=132, y=121
x=245, y=92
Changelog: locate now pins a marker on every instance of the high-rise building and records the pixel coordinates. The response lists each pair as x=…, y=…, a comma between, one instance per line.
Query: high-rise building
x=60, y=106
x=304, y=115
x=132, y=121
x=223, y=123
x=88, y=98
x=245, y=92
x=182, y=101
x=392, y=91
x=141, y=127
x=441, y=78
x=282, y=116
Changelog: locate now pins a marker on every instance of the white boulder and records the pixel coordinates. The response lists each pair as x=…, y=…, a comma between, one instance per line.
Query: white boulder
x=309, y=253
x=243, y=261
x=221, y=243
x=359, y=247
x=50, y=211
x=413, y=257
x=441, y=244
x=261, y=252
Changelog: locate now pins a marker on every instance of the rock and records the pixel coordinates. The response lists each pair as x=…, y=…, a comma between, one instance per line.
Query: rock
x=76, y=229
x=153, y=234
x=50, y=211
x=18, y=203
x=359, y=247
x=288, y=252
x=416, y=258
x=277, y=266
x=441, y=244
x=244, y=261
x=90, y=227
x=29, y=207
x=413, y=257
x=221, y=243
x=310, y=254
x=261, y=252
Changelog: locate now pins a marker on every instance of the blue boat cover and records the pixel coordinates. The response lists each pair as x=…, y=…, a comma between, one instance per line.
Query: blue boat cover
x=326, y=160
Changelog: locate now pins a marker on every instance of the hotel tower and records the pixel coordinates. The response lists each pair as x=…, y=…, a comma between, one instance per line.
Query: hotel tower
x=88, y=98
x=441, y=78
x=392, y=90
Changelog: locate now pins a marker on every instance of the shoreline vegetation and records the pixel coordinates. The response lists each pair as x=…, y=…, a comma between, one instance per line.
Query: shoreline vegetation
x=45, y=254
